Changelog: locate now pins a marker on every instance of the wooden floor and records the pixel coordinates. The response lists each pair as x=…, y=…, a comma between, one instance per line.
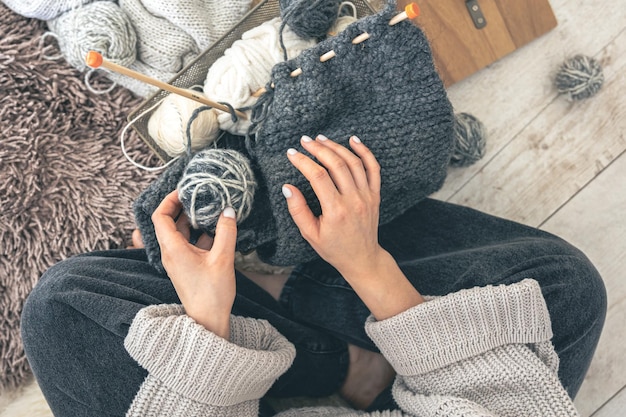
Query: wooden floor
x=560, y=166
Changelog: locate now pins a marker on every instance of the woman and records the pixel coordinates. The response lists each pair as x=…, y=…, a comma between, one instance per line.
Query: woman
x=479, y=350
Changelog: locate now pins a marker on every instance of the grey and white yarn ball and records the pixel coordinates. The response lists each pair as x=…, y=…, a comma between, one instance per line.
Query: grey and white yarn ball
x=470, y=140
x=213, y=180
x=579, y=77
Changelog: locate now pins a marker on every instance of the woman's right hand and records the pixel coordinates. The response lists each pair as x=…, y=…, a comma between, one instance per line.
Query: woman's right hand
x=346, y=233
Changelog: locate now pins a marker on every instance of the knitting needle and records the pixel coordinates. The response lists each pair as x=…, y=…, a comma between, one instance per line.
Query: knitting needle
x=95, y=60
x=411, y=11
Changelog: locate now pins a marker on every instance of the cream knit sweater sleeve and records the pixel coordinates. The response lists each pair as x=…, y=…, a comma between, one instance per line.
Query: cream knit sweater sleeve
x=478, y=352
x=193, y=372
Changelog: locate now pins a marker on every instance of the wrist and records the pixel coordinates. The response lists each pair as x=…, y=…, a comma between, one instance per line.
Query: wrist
x=383, y=287
x=217, y=323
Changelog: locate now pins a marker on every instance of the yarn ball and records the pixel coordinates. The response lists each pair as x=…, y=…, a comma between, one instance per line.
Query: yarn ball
x=100, y=26
x=169, y=122
x=579, y=77
x=340, y=24
x=309, y=18
x=470, y=139
x=213, y=180
x=246, y=66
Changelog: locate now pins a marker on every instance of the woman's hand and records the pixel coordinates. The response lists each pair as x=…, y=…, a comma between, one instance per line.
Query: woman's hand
x=203, y=275
x=346, y=233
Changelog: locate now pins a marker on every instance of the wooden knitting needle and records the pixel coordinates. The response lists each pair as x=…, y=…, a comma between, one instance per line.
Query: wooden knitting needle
x=411, y=11
x=95, y=60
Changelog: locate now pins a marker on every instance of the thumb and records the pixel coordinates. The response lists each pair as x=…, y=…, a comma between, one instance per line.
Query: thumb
x=226, y=234
x=300, y=212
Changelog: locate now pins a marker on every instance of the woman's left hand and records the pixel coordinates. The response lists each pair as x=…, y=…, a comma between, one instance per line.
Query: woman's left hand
x=203, y=275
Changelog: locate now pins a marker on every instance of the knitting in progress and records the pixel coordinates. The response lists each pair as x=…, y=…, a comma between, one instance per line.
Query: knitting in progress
x=152, y=37
x=385, y=90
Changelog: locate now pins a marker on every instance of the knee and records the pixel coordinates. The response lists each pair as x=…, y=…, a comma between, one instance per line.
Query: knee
x=44, y=310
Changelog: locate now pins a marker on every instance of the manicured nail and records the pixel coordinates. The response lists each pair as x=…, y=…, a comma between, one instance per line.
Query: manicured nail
x=322, y=137
x=355, y=139
x=292, y=151
x=287, y=192
x=229, y=212
x=306, y=139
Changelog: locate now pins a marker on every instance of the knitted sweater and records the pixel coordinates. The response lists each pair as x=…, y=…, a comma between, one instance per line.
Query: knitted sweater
x=478, y=352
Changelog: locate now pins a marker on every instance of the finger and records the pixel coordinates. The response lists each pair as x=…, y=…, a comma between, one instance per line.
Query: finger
x=354, y=163
x=320, y=179
x=372, y=167
x=183, y=225
x=300, y=212
x=337, y=167
x=225, y=238
x=163, y=220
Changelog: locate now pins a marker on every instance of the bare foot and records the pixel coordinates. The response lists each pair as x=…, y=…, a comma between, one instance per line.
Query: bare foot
x=137, y=242
x=369, y=374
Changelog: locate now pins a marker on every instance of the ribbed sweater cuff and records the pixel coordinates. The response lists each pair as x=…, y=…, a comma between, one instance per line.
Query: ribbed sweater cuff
x=461, y=325
x=202, y=366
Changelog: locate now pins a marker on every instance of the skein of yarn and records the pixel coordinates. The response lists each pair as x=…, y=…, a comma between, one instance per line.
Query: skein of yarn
x=579, y=77
x=213, y=180
x=470, y=140
x=246, y=67
x=169, y=125
x=99, y=26
x=309, y=19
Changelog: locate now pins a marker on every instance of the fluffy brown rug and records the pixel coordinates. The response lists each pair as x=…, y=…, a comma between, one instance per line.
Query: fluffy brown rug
x=65, y=187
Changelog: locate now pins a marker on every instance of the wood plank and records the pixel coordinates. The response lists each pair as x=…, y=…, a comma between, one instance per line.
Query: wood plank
x=615, y=407
x=558, y=153
x=594, y=222
x=512, y=92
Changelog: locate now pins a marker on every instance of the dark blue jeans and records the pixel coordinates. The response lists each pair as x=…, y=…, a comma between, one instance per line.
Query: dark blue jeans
x=75, y=320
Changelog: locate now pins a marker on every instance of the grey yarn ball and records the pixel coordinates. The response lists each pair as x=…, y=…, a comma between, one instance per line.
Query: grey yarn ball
x=213, y=180
x=309, y=18
x=470, y=140
x=100, y=26
x=579, y=77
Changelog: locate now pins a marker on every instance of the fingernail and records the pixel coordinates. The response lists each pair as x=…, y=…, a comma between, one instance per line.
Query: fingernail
x=306, y=138
x=229, y=212
x=355, y=139
x=322, y=137
x=292, y=151
x=287, y=192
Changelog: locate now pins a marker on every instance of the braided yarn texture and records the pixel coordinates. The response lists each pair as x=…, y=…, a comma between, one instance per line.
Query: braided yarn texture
x=386, y=91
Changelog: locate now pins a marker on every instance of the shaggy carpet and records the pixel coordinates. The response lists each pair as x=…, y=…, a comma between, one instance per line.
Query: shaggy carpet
x=65, y=187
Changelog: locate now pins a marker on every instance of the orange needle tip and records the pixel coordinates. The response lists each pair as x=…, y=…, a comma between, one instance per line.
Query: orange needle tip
x=93, y=59
x=412, y=10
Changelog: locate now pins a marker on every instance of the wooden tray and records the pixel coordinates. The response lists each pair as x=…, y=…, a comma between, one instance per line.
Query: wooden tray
x=460, y=49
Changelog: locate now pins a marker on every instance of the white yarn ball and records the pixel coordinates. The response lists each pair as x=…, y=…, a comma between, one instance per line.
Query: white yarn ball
x=341, y=23
x=246, y=67
x=168, y=125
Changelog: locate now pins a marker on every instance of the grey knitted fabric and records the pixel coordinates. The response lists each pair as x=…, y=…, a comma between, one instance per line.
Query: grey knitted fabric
x=385, y=90
x=476, y=353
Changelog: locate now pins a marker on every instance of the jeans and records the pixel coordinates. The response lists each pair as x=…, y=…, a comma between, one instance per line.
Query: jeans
x=75, y=320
